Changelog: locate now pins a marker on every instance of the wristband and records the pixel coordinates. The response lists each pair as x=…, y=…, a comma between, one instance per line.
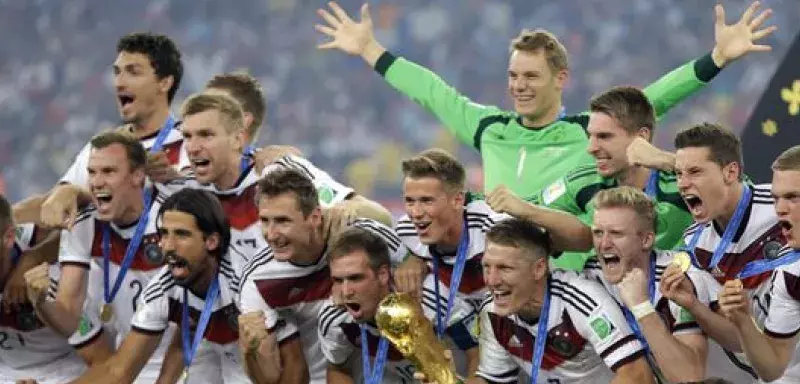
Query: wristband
x=642, y=309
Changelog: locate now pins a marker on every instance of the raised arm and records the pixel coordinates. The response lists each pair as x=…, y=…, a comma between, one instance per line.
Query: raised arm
x=731, y=43
x=461, y=116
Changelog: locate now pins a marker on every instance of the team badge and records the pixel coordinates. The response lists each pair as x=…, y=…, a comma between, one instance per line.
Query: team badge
x=771, y=250
x=153, y=254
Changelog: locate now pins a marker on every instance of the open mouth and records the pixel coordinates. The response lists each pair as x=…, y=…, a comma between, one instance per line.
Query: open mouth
x=104, y=199
x=786, y=227
x=200, y=165
x=179, y=267
x=501, y=295
x=125, y=100
x=694, y=203
x=611, y=260
x=353, y=307
x=524, y=98
x=422, y=226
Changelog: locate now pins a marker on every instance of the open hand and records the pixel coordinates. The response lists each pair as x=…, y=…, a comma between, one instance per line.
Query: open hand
x=736, y=40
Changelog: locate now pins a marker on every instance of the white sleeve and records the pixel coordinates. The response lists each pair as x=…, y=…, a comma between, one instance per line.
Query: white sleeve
x=706, y=286
x=152, y=316
x=330, y=191
x=606, y=327
x=334, y=343
x=784, y=309
x=183, y=160
x=77, y=173
x=75, y=245
x=250, y=300
x=397, y=250
x=496, y=364
x=24, y=235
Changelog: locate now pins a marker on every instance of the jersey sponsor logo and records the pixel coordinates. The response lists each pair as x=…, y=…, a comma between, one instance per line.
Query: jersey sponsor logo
x=602, y=326
x=554, y=191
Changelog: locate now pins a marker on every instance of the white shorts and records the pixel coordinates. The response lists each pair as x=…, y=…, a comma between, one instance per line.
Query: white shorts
x=62, y=370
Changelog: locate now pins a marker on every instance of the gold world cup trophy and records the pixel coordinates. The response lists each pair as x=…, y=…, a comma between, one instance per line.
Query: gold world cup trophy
x=401, y=321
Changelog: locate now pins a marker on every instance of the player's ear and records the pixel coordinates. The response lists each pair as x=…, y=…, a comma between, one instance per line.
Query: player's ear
x=316, y=217
x=212, y=242
x=731, y=172
x=540, y=268
x=645, y=133
x=649, y=240
x=139, y=176
x=384, y=275
x=562, y=77
x=165, y=84
x=459, y=198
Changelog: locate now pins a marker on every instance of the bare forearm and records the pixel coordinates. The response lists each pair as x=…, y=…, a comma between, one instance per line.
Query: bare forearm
x=763, y=357
x=57, y=316
x=716, y=326
x=678, y=362
x=172, y=366
x=28, y=210
x=254, y=370
x=568, y=233
x=473, y=360
x=338, y=376
x=103, y=373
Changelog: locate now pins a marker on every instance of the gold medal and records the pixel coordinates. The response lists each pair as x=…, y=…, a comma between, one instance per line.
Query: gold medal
x=106, y=313
x=185, y=375
x=682, y=260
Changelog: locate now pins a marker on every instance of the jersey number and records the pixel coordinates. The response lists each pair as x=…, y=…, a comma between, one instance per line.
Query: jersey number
x=137, y=285
x=5, y=340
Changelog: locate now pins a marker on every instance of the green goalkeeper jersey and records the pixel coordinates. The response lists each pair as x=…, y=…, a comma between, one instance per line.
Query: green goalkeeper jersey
x=525, y=159
x=573, y=193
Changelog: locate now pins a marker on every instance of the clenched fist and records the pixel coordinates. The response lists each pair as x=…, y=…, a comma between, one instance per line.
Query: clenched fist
x=633, y=288
x=503, y=200
x=265, y=156
x=255, y=339
x=37, y=281
x=733, y=301
x=641, y=153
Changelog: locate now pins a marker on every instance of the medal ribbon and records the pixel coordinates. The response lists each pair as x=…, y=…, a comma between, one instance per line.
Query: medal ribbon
x=455, y=280
x=758, y=267
x=652, y=185
x=247, y=154
x=727, y=236
x=541, y=335
x=190, y=345
x=651, y=291
x=136, y=240
x=374, y=374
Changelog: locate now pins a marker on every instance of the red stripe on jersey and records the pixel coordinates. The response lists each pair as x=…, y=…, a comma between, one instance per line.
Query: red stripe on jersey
x=241, y=209
x=732, y=263
x=563, y=341
x=119, y=245
x=471, y=279
x=222, y=327
x=279, y=293
x=353, y=333
x=173, y=151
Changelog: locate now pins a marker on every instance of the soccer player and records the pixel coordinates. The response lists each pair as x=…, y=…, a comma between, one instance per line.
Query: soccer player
x=619, y=119
x=441, y=226
x=361, y=271
x=31, y=350
x=630, y=268
x=293, y=283
x=735, y=224
x=517, y=147
x=112, y=249
x=771, y=352
x=583, y=334
x=192, y=290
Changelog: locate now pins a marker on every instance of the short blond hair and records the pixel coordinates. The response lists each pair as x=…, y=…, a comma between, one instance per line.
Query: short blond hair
x=789, y=160
x=545, y=41
x=438, y=164
x=230, y=111
x=631, y=198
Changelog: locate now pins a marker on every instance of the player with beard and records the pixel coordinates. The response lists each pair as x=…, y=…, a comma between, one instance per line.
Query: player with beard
x=620, y=121
x=111, y=251
x=191, y=290
x=31, y=350
x=361, y=271
x=630, y=268
x=536, y=144
x=555, y=324
x=291, y=285
x=735, y=224
x=770, y=352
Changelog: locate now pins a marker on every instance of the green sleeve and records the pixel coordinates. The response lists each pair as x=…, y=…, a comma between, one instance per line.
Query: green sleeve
x=561, y=196
x=460, y=115
x=681, y=83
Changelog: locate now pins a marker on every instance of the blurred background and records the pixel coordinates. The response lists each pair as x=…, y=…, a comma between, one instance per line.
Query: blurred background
x=55, y=74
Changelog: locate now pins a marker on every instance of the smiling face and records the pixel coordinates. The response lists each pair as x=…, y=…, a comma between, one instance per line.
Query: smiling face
x=532, y=84
x=212, y=149
x=287, y=230
x=608, y=142
x=139, y=90
x=361, y=288
x=706, y=187
x=433, y=210
x=187, y=250
x=511, y=277
x=620, y=241
x=116, y=187
x=786, y=190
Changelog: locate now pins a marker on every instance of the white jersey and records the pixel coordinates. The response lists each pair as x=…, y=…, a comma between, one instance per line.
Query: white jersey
x=77, y=174
x=291, y=296
x=480, y=218
x=784, y=310
x=758, y=237
x=329, y=190
x=162, y=304
x=588, y=337
x=678, y=320
x=340, y=336
x=29, y=348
